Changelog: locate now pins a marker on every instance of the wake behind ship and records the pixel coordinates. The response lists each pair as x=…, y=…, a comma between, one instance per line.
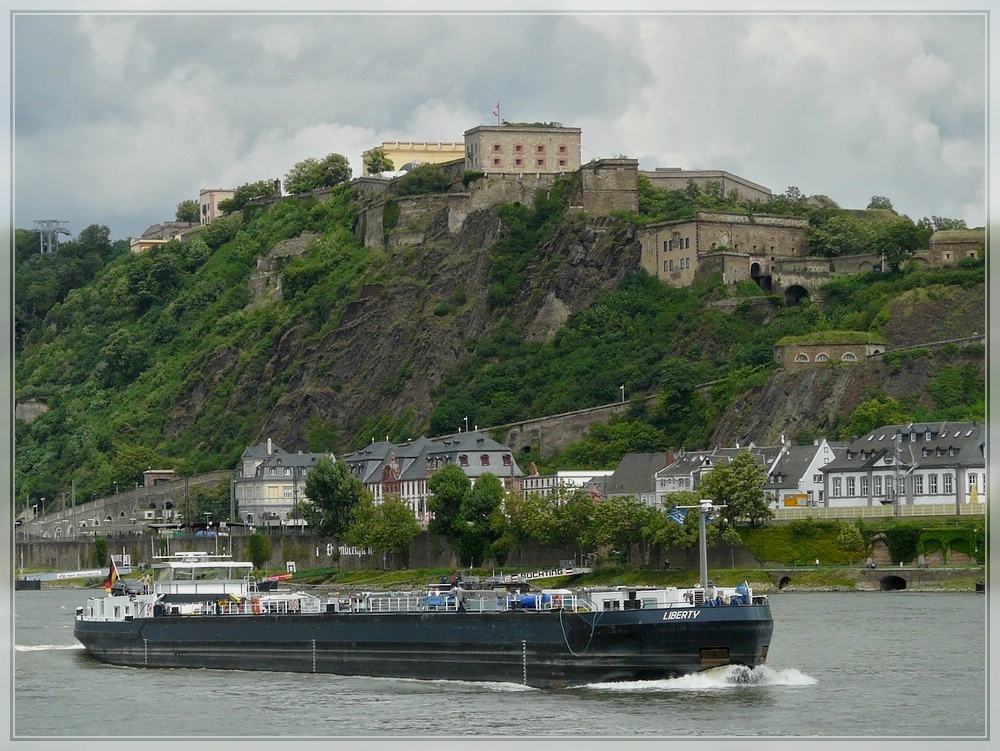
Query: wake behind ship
x=207, y=612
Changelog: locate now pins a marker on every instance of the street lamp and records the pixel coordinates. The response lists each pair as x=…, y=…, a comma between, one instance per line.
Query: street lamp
x=208, y=530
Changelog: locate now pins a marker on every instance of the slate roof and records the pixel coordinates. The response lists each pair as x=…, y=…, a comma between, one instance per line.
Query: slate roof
x=693, y=463
x=927, y=444
x=634, y=474
x=791, y=465
x=415, y=458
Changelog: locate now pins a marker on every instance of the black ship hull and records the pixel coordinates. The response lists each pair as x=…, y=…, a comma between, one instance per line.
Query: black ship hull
x=548, y=649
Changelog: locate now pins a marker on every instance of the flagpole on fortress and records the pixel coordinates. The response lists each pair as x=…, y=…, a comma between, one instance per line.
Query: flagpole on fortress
x=496, y=112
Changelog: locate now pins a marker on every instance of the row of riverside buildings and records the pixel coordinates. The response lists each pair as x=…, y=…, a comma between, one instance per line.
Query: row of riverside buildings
x=916, y=469
x=907, y=469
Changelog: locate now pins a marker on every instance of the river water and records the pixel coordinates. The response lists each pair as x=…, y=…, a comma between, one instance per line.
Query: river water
x=883, y=666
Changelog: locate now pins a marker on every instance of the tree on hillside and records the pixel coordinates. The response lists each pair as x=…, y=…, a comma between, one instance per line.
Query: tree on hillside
x=332, y=491
x=617, y=523
x=476, y=532
x=571, y=520
x=841, y=235
x=246, y=193
x=99, y=554
x=377, y=162
x=739, y=486
x=386, y=528
x=212, y=503
x=427, y=178
x=312, y=174
x=873, y=413
x=128, y=463
x=188, y=211
x=898, y=240
x=520, y=518
x=448, y=487
x=849, y=540
x=880, y=202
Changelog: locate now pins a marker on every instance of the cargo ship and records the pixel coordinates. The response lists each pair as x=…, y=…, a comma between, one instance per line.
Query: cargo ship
x=198, y=610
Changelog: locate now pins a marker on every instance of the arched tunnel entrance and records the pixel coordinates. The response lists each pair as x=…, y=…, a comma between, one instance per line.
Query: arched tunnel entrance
x=892, y=584
x=784, y=582
x=762, y=279
x=795, y=294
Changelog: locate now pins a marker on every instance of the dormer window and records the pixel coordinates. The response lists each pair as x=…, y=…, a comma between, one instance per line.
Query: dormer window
x=484, y=460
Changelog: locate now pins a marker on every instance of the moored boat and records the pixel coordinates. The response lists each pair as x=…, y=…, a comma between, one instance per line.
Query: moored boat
x=208, y=612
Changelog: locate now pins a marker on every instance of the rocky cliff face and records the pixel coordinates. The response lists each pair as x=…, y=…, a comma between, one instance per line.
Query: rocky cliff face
x=394, y=344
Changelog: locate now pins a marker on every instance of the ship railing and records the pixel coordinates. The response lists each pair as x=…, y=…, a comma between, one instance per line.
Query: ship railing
x=206, y=587
x=401, y=603
x=298, y=603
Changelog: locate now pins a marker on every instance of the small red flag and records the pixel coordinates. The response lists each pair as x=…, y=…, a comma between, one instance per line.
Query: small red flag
x=112, y=576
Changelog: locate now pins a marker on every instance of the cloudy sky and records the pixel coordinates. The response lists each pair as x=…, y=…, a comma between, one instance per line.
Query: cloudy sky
x=118, y=117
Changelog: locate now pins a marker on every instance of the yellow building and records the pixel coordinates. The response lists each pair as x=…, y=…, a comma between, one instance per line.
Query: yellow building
x=406, y=155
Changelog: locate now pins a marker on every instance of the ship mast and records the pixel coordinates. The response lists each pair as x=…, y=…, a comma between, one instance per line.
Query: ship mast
x=705, y=510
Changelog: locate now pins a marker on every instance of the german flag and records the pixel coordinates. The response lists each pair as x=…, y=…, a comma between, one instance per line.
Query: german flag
x=112, y=576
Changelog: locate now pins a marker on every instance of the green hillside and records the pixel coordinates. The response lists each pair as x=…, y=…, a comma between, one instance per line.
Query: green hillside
x=167, y=359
